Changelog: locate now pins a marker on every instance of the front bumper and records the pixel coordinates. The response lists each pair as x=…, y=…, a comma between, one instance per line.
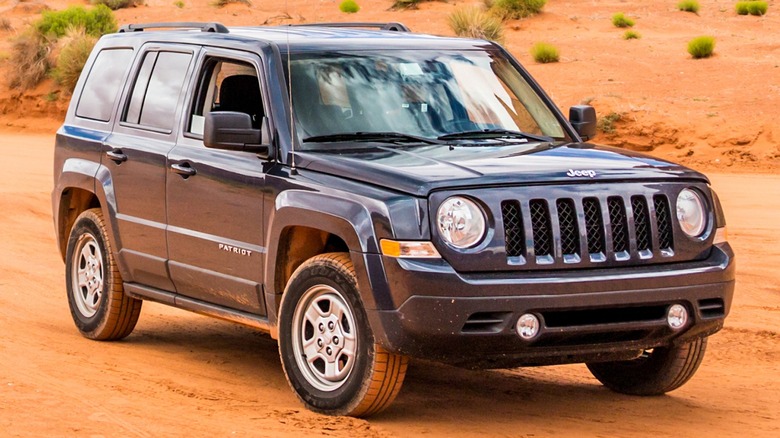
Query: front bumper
x=427, y=310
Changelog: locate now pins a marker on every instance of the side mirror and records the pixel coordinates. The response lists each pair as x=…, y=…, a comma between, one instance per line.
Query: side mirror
x=583, y=119
x=232, y=131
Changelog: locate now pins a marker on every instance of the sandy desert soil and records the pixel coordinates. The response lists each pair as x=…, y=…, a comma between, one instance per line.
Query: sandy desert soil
x=181, y=373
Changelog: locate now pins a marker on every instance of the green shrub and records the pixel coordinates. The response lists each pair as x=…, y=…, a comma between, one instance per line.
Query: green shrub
x=606, y=124
x=117, y=4
x=620, y=20
x=475, y=23
x=757, y=8
x=631, y=35
x=179, y=4
x=349, y=7
x=96, y=22
x=515, y=9
x=689, y=6
x=29, y=60
x=223, y=3
x=701, y=47
x=544, y=53
x=742, y=8
x=751, y=7
x=76, y=47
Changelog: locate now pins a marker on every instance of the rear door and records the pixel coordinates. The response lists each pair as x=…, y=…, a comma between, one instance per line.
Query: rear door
x=215, y=197
x=136, y=156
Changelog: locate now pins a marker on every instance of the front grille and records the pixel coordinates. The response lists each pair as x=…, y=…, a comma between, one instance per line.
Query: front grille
x=513, y=226
x=664, y=220
x=542, y=231
x=614, y=228
x=641, y=223
x=567, y=222
x=594, y=225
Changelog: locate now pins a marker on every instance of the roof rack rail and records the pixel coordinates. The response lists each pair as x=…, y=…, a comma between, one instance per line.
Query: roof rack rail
x=394, y=26
x=204, y=27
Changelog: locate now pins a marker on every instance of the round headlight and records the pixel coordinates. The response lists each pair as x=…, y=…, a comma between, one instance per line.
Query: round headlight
x=461, y=222
x=690, y=212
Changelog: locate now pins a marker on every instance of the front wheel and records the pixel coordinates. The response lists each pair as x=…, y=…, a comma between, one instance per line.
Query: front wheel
x=326, y=346
x=98, y=304
x=655, y=372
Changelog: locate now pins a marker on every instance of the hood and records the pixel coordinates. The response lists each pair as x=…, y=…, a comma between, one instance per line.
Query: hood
x=420, y=170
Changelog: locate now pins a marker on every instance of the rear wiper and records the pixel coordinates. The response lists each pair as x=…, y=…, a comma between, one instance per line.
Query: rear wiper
x=494, y=133
x=371, y=136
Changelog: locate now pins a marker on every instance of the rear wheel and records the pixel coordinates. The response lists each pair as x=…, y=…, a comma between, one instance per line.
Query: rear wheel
x=655, y=372
x=98, y=304
x=327, y=349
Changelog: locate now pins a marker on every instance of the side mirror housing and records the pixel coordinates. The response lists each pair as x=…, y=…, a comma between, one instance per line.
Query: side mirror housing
x=583, y=119
x=232, y=131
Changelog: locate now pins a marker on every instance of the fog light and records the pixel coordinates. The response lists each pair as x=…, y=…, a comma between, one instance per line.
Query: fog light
x=677, y=316
x=527, y=326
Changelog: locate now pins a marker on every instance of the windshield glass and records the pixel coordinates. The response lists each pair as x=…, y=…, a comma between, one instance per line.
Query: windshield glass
x=417, y=93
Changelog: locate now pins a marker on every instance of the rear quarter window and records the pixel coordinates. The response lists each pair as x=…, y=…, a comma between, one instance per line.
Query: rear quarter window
x=101, y=89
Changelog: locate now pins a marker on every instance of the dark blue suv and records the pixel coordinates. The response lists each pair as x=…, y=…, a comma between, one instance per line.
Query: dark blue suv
x=366, y=196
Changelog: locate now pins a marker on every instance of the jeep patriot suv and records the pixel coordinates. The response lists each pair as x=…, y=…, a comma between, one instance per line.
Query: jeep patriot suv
x=366, y=196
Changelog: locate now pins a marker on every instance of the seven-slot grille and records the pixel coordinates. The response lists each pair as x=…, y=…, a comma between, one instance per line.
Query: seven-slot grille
x=591, y=228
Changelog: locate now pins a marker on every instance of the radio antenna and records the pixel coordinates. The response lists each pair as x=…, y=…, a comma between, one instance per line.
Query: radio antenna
x=293, y=170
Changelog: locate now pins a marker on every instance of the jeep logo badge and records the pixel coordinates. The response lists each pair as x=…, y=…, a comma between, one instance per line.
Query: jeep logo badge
x=588, y=173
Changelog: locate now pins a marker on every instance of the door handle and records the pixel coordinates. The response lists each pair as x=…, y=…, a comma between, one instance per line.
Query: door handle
x=116, y=156
x=184, y=169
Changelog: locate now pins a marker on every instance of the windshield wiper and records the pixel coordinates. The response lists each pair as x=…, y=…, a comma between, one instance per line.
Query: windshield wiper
x=371, y=136
x=494, y=133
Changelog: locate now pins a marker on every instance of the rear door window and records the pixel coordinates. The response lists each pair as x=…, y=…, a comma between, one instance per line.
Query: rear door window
x=103, y=83
x=157, y=89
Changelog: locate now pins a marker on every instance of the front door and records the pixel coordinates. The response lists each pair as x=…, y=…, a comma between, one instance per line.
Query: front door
x=215, y=197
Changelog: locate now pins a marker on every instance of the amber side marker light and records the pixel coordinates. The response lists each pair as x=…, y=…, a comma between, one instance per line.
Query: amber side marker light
x=405, y=249
x=721, y=235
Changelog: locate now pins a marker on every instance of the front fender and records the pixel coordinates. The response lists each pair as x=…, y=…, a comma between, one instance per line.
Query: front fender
x=350, y=219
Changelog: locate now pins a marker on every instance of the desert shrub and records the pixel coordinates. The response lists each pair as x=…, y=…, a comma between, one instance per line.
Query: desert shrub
x=76, y=46
x=29, y=60
x=757, y=8
x=606, y=124
x=689, y=6
x=349, y=7
x=742, y=8
x=544, y=53
x=5, y=24
x=96, y=22
x=751, y=7
x=179, y=4
x=631, y=35
x=223, y=3
x=406, y=4
x=475, y=23
x=117, y=4
x=515, y=9
x=620, y=20
x=701, y=47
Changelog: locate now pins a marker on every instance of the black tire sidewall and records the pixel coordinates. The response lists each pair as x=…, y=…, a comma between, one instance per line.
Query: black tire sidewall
x=86, y=225
x=342, y=400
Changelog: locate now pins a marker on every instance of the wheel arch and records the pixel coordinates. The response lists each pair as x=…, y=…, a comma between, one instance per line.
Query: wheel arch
x=305, y=224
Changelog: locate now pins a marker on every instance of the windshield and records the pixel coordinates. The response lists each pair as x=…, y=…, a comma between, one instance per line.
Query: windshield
x=414, y=93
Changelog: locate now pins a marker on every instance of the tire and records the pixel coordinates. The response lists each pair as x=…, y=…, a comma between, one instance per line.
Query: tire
x=98, y=304
x=322, y=316
x=655, y=372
